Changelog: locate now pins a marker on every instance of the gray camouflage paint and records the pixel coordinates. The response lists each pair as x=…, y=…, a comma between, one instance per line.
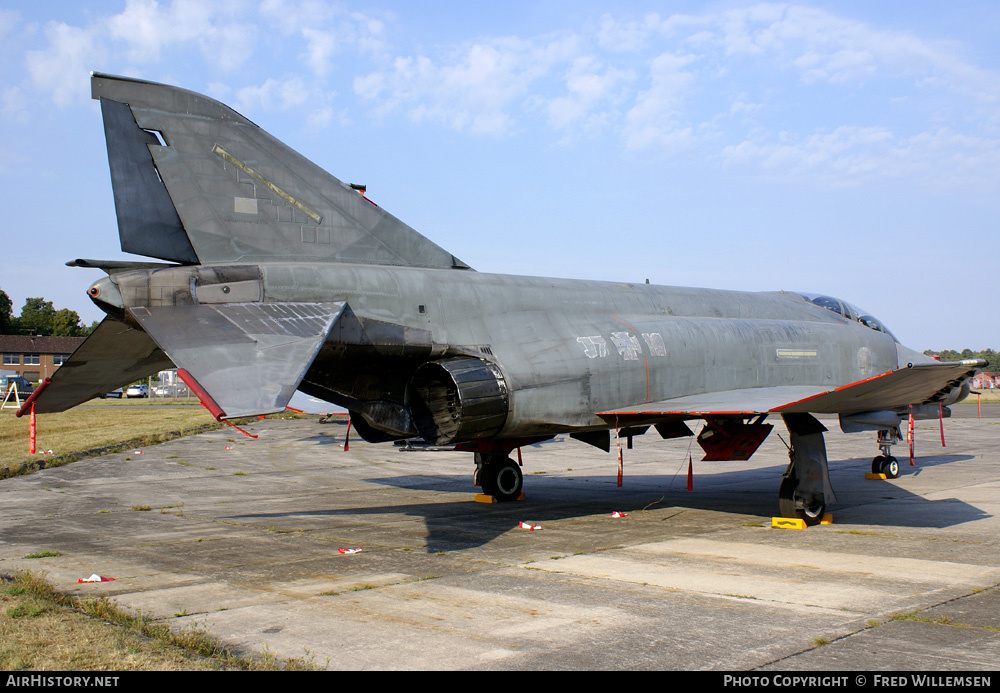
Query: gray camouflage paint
x=290, y=278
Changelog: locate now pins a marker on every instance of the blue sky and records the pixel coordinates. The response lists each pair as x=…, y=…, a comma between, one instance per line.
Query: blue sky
x=847, y=148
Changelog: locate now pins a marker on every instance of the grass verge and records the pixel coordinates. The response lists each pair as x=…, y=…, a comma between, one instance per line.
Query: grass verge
x=90, y=431
x=42, y=629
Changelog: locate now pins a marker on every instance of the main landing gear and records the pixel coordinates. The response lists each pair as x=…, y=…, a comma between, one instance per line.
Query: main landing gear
x=805, y=490
x=886, y=463
x=499, y=476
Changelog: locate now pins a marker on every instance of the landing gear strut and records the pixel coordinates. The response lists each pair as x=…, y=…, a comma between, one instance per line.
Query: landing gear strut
x=499, y=476
x=886, y=463
x=805, y=490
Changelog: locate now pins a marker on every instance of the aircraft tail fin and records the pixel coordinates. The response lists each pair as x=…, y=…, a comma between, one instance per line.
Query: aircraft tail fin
x=197, y=183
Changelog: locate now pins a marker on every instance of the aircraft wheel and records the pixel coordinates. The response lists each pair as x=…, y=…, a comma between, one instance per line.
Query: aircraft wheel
x=890, y=467
x=877, y=465
x=811, y=511
x=786, y=497
x=502, y=479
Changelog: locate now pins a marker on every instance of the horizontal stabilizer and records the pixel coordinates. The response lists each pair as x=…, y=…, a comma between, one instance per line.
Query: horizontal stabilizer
x=112, y=356
x=248, y=357
x=917, y=384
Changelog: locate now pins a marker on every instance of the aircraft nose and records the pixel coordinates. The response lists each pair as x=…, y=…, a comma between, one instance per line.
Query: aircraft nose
x=105, y=294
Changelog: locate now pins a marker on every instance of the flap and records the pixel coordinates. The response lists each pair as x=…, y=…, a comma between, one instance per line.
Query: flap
x=248, y=357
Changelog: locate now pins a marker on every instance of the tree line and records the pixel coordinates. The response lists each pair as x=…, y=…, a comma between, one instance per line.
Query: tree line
x=40, y=317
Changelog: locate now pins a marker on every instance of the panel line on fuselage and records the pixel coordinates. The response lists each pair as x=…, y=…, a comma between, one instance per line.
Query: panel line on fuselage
x=645, y=358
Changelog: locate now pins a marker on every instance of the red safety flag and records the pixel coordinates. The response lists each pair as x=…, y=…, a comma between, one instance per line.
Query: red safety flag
x=621, y=459
x=31, y=430
x=96, y=578
x=941, y=421
x=909, y=436
x=347, y=436
x=690, y=474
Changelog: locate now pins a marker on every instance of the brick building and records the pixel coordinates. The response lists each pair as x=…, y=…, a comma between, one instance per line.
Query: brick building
x=35, y=358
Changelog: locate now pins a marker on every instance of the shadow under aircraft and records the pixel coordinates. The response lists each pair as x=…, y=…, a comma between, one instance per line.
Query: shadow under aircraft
x=455, y=523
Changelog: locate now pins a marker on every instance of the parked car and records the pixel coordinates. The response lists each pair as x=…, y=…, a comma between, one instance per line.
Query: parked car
x=24, y=387
x=114, y=394
x=137, y=391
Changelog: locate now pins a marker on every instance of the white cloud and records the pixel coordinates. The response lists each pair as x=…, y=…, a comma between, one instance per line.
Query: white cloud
x=292, y=93
x=147, y=28
x=273, y=94
x=823, y=46
x=12, y=162
x=63, y=70
x=9, y=19
x=628, y=36
x=589, y=84
x=327, y=30
x=853, y=155
x=655, y=82
x=140, y=34
x=654, y=120
x=473, y=88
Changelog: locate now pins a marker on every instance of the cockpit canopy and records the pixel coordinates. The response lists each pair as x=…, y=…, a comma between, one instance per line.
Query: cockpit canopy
x=848, y=311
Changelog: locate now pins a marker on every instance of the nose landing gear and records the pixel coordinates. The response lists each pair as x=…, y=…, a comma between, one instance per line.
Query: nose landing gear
x=886, y=463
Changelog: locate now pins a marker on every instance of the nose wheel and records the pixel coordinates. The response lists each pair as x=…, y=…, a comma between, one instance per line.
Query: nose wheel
x=886, y=464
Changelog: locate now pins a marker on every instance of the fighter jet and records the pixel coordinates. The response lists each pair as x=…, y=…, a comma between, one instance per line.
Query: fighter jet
x=271, y=275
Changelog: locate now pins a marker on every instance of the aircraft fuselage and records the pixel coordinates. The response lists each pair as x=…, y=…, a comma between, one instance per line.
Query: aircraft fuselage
x=566, y=348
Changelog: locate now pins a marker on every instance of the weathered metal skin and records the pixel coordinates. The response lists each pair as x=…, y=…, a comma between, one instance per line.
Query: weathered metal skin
x=592, y=346
x=288, y=278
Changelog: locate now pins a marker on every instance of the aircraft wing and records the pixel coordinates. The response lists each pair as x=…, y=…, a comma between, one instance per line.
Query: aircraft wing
x=915, y=384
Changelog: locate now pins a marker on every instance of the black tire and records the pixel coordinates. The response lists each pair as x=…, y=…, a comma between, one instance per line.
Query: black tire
x=502, y=480
x=890, y=467
x=786, y=496
x=877, y=465
x=811, y=512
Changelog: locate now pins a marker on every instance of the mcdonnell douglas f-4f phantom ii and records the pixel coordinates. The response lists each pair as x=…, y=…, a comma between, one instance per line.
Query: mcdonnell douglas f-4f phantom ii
x=277, y=277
